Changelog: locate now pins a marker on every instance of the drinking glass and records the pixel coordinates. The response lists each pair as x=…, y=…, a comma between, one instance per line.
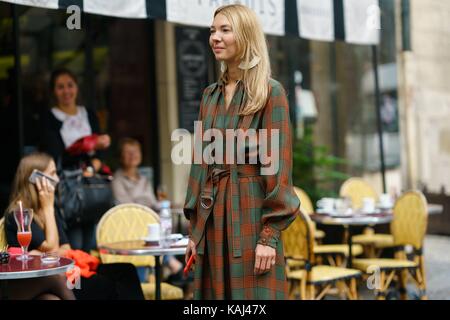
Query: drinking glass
x=23, y=218
x=162, y=192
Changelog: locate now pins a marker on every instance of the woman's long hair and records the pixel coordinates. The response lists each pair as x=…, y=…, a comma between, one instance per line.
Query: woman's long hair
x=251, y=42
x=23, y=189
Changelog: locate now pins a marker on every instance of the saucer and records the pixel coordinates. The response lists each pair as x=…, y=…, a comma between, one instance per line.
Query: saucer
x=375, y=211
x=385, y=206
x=49, y=258
x=323, y=211
x=150, y=239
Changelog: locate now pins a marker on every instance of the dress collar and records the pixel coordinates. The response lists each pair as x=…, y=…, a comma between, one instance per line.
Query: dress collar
x=221, y=82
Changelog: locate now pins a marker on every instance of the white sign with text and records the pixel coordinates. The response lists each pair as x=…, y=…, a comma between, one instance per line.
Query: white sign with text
x=316, y=19
x=362, y=21
x=200, y=12
x=117, y=8
x=51, y=4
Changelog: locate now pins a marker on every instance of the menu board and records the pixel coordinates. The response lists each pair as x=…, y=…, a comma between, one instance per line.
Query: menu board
x=192, y=72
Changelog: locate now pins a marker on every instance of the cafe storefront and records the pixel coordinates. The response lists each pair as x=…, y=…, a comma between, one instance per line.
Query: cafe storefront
x=142, y=66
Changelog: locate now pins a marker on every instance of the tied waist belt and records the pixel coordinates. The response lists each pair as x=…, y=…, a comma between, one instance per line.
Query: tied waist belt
x=216, y=174
x=207, y=196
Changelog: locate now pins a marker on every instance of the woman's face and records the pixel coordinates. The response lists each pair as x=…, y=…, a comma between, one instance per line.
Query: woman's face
x=51, y=171
x=66, y=90
x=131, y=156
x=222, y=40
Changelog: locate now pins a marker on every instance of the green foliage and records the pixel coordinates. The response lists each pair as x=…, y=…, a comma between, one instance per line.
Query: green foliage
x=315, y=170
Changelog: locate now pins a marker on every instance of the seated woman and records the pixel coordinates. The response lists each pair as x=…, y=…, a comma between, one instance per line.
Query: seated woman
x=111, y=282
x=130, y=187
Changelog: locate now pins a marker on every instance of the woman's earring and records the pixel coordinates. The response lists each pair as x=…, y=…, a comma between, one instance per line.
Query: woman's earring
x=247, y=66
x=223, y=66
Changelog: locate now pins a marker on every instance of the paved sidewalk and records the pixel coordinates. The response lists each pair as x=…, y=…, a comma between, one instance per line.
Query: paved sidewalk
x=437, y=259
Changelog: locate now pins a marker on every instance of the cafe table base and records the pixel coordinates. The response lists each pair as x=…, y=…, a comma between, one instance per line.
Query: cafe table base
x=4, y=290
x=350, y=246
x=350, y=221
x=158, y=277
x=139, y=248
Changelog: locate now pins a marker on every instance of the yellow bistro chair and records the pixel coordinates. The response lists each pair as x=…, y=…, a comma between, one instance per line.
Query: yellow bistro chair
x=293, y=251
x=316, y=281
x=3, y=242
x=127, y=222
x=333, y=253
x=408, y=229
x=307, y=207
x=357, y=189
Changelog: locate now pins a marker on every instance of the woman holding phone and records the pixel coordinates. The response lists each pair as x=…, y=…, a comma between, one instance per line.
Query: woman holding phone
x=112, y=281
x=46, y=288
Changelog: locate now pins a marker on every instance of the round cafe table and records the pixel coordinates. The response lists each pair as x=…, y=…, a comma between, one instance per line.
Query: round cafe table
x=139, y=248
x=350, y=221
x=33, y=268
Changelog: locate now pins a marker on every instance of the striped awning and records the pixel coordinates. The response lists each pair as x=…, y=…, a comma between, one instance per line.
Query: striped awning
x=353, y=21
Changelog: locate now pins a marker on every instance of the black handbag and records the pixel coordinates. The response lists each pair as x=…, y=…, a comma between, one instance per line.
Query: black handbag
x=83, y=200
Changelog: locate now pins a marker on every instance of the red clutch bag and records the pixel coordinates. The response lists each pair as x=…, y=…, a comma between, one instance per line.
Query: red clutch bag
x=83, y=145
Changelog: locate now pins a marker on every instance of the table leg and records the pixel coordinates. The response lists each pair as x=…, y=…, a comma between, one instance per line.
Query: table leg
x=350, y=246
x=157, y=278
x=179, y=224
x=4, y=290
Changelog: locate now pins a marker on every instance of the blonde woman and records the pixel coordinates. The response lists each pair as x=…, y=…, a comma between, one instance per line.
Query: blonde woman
x=236, y=212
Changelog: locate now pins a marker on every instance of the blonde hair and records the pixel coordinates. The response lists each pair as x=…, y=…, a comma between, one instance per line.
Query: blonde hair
x=251, y=42
x=23, y=189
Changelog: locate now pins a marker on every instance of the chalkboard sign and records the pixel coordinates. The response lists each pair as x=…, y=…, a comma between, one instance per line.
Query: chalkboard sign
x=192, y=71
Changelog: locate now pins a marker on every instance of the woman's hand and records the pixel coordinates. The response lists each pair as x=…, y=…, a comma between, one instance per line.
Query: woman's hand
x=265, y=259
x=103, y=142
x=46, y=193
x=96, y=164
x=190, y=250
x=63, y=250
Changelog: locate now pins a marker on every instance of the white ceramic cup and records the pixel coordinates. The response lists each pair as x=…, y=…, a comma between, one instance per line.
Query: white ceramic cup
x=368, y=205
x=386, y=200
x=342, y=206
x=153, y=233
x=326, y=204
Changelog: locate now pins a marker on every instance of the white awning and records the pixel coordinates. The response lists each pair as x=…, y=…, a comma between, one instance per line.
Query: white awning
x=353, y=21
x=200, y=13
x=50, y=4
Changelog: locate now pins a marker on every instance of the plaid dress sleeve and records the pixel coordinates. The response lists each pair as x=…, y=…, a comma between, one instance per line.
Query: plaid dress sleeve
x=197, y=171
x=280, y=205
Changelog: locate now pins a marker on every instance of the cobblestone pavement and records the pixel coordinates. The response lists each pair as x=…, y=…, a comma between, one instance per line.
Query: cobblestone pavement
x=437, y=259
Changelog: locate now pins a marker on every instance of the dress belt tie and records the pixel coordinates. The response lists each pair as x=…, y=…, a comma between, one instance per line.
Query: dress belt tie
x=207, y=197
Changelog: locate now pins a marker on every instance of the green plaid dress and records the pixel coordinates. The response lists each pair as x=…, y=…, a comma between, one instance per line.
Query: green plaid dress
x=247, y=209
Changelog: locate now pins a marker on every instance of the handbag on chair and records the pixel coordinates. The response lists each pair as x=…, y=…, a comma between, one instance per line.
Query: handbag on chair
x=83, y=200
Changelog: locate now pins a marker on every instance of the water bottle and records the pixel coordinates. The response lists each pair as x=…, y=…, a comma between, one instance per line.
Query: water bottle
x=165, y=218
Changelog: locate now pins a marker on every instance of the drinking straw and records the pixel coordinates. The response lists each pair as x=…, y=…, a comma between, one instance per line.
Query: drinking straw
x=21, y=215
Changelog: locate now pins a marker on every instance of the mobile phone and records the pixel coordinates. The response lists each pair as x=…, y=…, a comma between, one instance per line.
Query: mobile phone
x=39, y=174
